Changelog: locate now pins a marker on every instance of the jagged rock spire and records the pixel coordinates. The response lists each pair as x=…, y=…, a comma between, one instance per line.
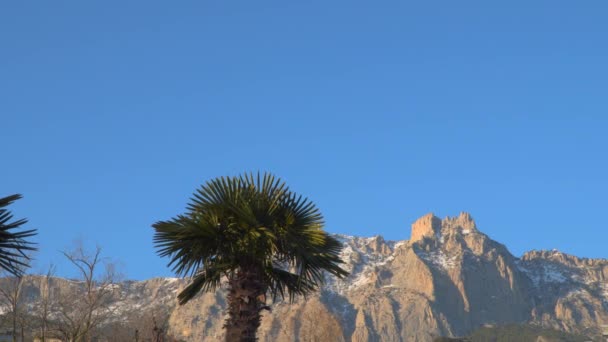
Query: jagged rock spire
x=426, y=226
x=463, y=221
x=430, y=225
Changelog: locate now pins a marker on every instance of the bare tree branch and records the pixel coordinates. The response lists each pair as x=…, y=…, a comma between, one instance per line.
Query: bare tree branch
x=86, y=304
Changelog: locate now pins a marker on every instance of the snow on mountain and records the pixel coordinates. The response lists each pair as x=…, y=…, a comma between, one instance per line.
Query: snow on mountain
x=446, y=280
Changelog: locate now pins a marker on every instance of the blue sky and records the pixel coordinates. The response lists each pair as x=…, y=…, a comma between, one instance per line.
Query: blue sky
x=113, y=113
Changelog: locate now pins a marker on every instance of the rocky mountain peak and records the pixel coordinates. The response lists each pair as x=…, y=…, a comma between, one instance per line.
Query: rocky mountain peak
x=428, y=225
x=431, y=226
x=464, y=221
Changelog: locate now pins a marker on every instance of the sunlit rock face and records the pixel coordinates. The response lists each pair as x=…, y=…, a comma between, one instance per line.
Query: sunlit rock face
x=569, y=293
x=446, y=280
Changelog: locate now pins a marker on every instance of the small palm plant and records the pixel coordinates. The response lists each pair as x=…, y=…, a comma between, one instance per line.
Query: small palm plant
x=256, y=235
x=13, y=245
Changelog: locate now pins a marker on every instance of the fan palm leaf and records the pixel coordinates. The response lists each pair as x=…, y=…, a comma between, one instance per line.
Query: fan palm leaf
x=256, y=234
x=13, y=244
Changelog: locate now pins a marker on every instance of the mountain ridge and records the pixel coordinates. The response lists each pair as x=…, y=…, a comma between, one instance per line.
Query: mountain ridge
x=448, y=279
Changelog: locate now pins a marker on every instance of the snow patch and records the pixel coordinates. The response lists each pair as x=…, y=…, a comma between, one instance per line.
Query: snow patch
x=440, y=259
x=361, y=280
x=439, y=237
x=544, y=273
x=361, y=260
x=399, y=244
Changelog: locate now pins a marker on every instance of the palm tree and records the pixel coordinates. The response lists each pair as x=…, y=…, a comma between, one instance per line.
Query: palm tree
x=13, y=245
x=255, y=234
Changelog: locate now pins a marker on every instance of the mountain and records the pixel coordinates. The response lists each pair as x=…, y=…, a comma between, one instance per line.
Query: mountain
x=448, y=279
x=518, y=333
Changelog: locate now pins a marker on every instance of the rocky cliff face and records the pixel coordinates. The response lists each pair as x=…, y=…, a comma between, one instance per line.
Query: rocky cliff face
x=447, y=280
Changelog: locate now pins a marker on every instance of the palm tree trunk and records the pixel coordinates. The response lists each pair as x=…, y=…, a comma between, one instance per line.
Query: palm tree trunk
x=244, y=304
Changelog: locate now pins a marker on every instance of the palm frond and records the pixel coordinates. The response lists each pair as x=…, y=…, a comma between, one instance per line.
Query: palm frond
x=207, y=279
x=249, y=222
x=13, y=245
x=188, y=241
x=282, y=281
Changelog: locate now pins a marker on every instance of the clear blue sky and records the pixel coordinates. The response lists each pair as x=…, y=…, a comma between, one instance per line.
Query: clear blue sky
x=113, y=112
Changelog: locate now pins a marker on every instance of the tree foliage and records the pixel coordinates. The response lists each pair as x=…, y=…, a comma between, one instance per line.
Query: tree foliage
x=13, y=244
x=256, y=233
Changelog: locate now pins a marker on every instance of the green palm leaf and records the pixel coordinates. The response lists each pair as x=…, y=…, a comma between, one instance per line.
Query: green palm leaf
x=13, y=245
x=253, y=232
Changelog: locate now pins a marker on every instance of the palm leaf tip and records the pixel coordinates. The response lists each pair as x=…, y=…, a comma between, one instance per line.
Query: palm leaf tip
x=14, y=244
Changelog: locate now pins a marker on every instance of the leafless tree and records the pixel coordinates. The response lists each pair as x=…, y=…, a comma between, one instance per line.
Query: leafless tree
x=86, y=303
x=118, y=331
x=45, y=301
x=11, y=298
x=150, y=326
